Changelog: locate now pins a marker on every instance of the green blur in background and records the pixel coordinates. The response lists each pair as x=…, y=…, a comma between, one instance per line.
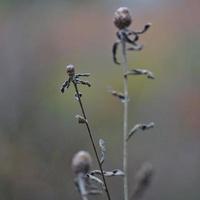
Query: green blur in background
x=38, y=131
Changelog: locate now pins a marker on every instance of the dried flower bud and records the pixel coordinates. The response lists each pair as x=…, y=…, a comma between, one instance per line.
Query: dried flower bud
x=81, y=162
x=70, y=70
x=122, y=18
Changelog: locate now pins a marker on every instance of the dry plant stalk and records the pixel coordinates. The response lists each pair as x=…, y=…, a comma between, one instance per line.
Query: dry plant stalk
x=87, y=181
x=75, y=80
x=122, y=20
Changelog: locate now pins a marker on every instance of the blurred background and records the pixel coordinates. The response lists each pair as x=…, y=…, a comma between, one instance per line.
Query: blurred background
x=38, y=131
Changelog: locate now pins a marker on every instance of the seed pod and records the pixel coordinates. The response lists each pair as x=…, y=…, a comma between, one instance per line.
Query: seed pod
x=70, y=70
x=122, y=18
x=81, y=162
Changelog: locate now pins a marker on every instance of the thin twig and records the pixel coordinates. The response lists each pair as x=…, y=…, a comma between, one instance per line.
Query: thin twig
x=125, y=126
x=91, y=138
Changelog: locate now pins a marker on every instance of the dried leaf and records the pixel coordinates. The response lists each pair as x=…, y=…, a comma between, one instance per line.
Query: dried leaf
x=78, y=81
x=81, y=120
x=65, y=85
x=83, y=75
x=97, y=180
x=103, y=150
x=119, y=95
x=143, y=180
x=140, y=127
x=115, y=172
x=146, y=72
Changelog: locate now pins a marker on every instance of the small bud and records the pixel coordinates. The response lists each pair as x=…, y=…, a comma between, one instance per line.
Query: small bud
x=81, y=120
x=70, y=70
x=81, y=162
x=122, y=18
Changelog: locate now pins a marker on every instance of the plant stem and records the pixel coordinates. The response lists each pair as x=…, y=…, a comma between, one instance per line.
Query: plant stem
x=92, y=140
x=82, y=187
x=125, y=123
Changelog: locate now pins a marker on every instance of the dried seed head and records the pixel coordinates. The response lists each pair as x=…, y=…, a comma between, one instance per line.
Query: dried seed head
x=81, y=162
x=122, y=18
x=70, y=70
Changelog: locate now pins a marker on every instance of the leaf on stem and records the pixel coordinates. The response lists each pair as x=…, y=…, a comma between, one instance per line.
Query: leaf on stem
x=103, y=150
x=142, y=127
x=81, y=120
x=83, y=75
x=78, y=81
x=65, y=85
x=119, y=95
x=146, y=72
x=95, y=179
x=115, y=172
x=94, y=192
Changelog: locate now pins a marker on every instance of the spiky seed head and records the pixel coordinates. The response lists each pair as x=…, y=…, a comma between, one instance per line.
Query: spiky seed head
x=81, y=162
x=70, y=70
x=122, y=18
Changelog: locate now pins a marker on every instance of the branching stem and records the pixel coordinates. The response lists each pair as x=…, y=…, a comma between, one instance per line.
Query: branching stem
x=125, y=123
x=92, y=140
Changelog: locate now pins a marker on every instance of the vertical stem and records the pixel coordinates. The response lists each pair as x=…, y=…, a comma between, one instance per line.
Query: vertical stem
x=81, y=184
x=92, y=140
x=125, y=123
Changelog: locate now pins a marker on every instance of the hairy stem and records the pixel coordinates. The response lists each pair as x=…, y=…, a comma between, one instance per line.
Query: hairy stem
x=92, y=140
x=125, y=123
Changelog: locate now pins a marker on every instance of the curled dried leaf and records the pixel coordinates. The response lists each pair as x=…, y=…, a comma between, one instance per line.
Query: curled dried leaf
x=146, y=72
x=78, y=81
x=95, y=179
x=83, y=75
x=103, y=150
x=142, y=127
x=119, y=95
x=65, y=85
x=115, y=172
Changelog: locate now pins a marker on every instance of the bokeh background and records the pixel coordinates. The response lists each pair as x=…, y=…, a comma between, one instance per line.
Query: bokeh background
x=38, y=132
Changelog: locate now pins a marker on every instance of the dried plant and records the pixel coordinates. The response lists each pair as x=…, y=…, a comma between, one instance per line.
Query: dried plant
x=88, y=182
x=75, y=80
x=93, y=182
x=125, y=37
